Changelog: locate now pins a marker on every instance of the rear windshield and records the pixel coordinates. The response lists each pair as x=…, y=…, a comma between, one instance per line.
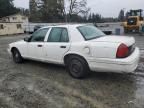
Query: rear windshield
x=90, y=32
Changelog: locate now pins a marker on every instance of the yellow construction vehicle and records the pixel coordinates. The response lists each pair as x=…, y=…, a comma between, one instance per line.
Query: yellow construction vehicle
x=134, y=21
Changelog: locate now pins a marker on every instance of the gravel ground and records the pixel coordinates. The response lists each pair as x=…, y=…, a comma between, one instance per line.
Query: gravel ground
x=41, y=85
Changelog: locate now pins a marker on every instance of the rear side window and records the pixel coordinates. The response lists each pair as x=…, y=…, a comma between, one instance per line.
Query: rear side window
x=64, y=36
x=58, y=35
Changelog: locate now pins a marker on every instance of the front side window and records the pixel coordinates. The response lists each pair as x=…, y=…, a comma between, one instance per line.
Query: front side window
x=39, y=35
x=90, y=32
x=58, y=35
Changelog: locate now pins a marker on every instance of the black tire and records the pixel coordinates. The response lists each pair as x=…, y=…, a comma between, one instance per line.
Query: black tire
x=77, y=67
x=17, y=58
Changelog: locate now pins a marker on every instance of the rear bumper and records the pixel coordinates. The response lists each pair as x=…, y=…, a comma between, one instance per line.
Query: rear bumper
x=127, y=65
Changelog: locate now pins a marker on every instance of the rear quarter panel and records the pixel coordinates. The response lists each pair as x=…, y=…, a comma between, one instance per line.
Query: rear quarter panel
x=104, y=49
x=94, y=50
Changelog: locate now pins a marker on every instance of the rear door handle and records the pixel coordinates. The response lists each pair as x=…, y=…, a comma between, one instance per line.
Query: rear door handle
x=62, y=46
x=39, y=45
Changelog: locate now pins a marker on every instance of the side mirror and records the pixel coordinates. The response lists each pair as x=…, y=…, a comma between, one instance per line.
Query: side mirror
x=27, y=39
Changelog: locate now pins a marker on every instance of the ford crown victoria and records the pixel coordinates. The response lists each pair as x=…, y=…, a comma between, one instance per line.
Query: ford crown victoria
x=81, y=48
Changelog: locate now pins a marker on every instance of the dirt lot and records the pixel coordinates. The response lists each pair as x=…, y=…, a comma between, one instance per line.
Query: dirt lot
x=40, y=85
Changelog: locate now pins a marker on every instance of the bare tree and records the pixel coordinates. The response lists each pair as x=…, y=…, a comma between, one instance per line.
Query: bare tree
x=77, y=7
x=58, y=10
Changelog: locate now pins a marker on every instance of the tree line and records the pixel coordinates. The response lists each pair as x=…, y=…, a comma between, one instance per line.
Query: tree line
x=7, y=8
x=53, y=11
x=57, y=11
x=64, y=11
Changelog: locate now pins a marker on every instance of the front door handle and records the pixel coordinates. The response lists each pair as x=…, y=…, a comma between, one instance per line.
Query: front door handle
x=62, y=46
x=39, y=45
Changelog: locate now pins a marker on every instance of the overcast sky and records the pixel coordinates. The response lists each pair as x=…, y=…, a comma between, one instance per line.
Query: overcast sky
x=107, y=8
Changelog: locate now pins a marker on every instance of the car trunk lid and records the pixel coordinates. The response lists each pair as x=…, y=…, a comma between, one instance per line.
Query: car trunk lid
x=116, y=39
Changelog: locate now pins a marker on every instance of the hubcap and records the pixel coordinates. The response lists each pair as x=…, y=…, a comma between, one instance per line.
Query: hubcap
x=76, y=67
x=16, y=55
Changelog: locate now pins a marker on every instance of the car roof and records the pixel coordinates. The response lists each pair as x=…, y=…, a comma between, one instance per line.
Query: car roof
x=66, y=25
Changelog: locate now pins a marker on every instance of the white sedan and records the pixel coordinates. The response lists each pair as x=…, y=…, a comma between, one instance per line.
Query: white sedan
x=81, y=48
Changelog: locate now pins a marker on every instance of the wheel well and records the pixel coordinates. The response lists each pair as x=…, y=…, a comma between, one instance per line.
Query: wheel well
x=13, y=48
x=67, y=56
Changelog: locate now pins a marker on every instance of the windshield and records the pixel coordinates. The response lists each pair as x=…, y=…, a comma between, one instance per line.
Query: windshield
x=90, y=32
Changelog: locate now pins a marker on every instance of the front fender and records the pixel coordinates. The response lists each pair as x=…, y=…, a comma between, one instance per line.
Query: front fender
x=21, y=46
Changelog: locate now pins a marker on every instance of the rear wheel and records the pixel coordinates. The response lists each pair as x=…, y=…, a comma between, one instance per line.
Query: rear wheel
x=77, y=67
x=17, y=56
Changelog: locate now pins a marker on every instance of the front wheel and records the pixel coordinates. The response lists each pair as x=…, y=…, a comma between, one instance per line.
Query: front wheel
x=77, y=67
x=17, y=56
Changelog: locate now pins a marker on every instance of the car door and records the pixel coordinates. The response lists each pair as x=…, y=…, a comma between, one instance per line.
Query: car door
x=57, y=45
x=36, y=44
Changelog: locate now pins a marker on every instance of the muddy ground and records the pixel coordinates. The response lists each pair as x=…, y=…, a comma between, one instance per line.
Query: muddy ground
x=41, y=85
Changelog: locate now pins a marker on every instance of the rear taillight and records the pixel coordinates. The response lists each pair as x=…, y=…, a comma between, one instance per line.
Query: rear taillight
x=122, y=51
